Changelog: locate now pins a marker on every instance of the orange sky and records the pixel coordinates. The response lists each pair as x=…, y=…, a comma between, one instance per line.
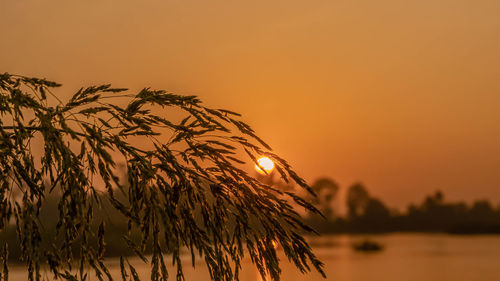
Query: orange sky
x=401, y=95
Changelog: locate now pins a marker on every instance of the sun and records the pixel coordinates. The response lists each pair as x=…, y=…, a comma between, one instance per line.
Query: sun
x=266, y=163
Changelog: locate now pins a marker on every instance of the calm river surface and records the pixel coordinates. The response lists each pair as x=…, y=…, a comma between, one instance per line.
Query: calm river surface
x=406, y=257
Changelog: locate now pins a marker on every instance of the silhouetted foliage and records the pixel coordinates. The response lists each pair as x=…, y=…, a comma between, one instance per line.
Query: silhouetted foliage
x=184, y=187
x=357, y=200
x=326, y=191
x=366, y=214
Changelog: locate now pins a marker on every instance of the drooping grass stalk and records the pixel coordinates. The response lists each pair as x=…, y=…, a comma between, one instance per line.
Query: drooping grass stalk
x=184, y=185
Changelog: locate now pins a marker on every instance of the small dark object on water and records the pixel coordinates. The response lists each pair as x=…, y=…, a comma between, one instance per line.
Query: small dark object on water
x=367, y=246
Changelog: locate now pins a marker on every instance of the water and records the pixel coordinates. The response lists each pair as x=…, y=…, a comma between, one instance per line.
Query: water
x=406, y=257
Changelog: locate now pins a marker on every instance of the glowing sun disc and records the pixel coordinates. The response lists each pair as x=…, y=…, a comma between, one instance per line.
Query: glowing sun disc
x=266, y=163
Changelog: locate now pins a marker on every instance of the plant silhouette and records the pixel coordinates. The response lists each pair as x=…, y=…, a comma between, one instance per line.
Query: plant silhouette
x=188, y=191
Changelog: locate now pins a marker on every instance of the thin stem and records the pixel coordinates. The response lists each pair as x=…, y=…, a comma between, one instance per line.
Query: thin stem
x=34, y=128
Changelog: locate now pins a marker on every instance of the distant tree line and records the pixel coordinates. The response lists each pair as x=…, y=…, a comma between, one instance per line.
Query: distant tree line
x=367, y=214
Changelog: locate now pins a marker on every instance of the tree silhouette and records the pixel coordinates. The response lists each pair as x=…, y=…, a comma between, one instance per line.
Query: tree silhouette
x=184, y=187
x=357, y=200
x=326, y=190
x=482, y=210
x=376, y=217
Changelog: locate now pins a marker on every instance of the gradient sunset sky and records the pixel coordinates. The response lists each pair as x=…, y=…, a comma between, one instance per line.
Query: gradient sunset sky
x=403, y=96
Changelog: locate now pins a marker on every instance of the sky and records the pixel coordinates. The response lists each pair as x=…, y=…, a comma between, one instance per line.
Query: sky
x=403, y=96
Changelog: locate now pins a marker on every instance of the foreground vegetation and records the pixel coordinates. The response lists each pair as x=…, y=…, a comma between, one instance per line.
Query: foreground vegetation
x=184, y=186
